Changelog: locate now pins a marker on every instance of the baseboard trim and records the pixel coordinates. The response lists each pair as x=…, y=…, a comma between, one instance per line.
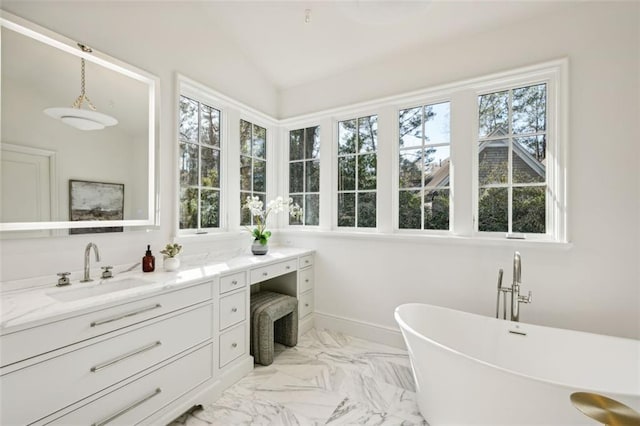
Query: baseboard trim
x=362, y=329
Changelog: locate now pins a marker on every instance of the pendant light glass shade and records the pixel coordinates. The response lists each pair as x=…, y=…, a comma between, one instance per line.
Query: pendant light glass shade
x=76, y=116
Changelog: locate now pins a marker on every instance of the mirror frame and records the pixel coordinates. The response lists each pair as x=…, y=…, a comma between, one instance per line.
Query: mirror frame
x=55, y=40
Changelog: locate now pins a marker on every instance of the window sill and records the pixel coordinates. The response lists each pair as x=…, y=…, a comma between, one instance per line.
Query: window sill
x=422, y=238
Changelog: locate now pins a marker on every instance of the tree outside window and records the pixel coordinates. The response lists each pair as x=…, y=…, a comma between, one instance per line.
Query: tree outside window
x=357, y=172
x=304, y=174
x=512, y=160
x=424, y=167
x=253, y=166
x=199, y=168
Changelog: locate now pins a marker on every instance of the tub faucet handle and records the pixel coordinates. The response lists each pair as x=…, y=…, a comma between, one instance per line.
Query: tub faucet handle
x=525, y=299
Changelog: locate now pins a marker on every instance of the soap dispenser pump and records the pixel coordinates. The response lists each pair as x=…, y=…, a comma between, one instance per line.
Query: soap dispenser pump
x=148, y=261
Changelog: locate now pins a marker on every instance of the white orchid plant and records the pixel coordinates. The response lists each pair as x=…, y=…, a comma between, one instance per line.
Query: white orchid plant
x=260, y=214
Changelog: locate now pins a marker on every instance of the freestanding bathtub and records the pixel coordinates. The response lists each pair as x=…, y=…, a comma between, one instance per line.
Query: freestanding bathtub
x=475, y=370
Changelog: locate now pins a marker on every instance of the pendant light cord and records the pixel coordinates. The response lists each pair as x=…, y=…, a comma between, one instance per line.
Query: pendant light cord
x=83, y=96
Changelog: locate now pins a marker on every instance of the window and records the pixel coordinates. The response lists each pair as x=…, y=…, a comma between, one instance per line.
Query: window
x=357, y=172
x=304, y=174
x=424, y=167
x=199, y=142
x=512, y=152
x=253, y=166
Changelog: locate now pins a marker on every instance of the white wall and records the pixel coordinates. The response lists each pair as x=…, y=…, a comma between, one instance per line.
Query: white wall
x=592, y=286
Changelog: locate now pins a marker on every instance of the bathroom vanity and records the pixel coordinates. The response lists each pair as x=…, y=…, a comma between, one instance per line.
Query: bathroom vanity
x=138, y=348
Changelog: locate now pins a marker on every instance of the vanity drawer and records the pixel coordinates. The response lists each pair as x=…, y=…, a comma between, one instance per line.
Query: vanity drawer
x=232, y=282
x=134, y=402
x=305, y=306
x=305, y=280
x=233, y=309
x=232, y=344
x=28, y=343
x=306, y=261
x=273, y=270
x=78, y=374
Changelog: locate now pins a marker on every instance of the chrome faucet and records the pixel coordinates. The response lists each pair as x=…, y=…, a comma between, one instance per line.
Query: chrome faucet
x=516, y=298
x=87, y=251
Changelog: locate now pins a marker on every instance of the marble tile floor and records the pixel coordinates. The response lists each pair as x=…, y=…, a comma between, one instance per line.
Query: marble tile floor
x=328, y=378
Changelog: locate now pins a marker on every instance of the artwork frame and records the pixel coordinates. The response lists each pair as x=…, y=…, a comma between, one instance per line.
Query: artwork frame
x=97, y=201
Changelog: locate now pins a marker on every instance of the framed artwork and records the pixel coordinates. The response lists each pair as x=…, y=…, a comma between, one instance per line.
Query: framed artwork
x=95, y=201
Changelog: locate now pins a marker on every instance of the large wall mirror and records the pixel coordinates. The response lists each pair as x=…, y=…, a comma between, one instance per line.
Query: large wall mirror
x=58, y=176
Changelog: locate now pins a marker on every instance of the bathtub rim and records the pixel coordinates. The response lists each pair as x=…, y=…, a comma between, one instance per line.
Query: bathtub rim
x=405, y=327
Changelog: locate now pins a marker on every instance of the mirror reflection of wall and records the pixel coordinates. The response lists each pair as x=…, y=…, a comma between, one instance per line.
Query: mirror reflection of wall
x=40, y=154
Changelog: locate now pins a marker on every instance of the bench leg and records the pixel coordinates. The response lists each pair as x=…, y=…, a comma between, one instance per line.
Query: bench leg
x=286, y=329
x=264, y=349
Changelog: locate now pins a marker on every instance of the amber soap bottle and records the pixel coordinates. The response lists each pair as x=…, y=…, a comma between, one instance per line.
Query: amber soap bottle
x=148, y=261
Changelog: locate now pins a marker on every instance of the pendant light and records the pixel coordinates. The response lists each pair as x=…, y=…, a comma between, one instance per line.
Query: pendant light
x=78, y=117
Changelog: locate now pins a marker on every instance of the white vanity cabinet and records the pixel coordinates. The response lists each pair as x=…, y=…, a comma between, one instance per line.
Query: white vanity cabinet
x=112, y=370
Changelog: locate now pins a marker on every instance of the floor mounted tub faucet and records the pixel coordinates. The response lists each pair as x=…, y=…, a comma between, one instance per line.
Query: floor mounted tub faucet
x=516, y=298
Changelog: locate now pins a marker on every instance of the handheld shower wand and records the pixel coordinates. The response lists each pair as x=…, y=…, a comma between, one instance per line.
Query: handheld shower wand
x=500, y=272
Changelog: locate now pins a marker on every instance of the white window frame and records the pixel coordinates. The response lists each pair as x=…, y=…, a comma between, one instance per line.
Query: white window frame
x=267, y=160
x=555, y=77
x=286, y=183
x=433, y=100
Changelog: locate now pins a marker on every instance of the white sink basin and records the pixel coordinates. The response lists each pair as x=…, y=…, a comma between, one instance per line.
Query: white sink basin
x=77, y=292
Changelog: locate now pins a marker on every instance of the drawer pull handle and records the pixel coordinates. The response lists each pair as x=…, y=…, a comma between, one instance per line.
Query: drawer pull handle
x=264, y=274
x=234, y=309
x=287, y=267
x=128, y=408
x=127, y=315
x=307, y=280
x=306, y=305
x=306, y=261
x=125, y=356
x=234, y=345
x=234, y=282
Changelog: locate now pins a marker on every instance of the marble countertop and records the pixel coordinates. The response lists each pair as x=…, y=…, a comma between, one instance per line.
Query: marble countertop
x=28, y=303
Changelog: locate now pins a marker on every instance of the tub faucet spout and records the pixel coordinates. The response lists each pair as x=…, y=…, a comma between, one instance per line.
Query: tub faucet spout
x=516, y=298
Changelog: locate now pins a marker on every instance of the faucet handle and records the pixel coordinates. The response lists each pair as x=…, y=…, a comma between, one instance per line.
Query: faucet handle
x=526, y=299
x=64, y=279
x=106, y=272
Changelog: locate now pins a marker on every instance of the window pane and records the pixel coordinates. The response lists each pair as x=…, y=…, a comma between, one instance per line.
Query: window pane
x=347, y=137
x=409, y=206
x=529, y=209
x=312, y=176
x=528, y=159
x=367, y=133
x=367, y=171
x=410, y=168
x=297, y=199
x=210, y=208
x=296, y=144
x=410, y=127
x=209, y=125
x=437, y=123
x=492, y=210
x=245, y=214
x=347, y=209
x=312, y=209
x=188, y=208
x=210, y=167
x=312, y=143
x=245, y=138
x=188, y=164
x=188, y=120
x=530, y=109
x=493, y=161
x=296, y=183
x=245, y=173
x=436, y=209
x=347, y=173
x=367, y=210
x=259, y=142
x=259, y=175
x=494, y=114
x=436, y=165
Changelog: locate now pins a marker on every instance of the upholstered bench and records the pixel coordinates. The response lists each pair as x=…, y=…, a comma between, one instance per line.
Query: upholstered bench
x=274, y=317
